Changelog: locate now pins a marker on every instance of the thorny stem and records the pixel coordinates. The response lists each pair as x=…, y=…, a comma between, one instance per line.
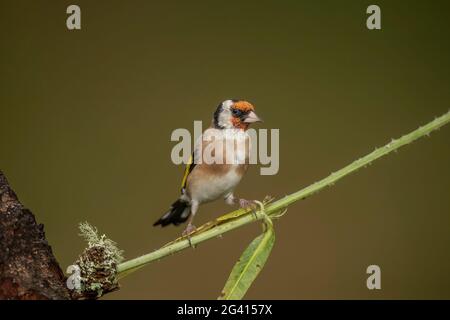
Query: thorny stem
x=129, y=266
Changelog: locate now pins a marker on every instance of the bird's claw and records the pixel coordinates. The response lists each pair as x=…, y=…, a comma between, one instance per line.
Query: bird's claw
x=246, y=204
x=249, y=204
x=190, y=228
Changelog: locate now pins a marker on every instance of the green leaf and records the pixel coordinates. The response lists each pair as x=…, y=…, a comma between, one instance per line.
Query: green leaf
x=249, y=265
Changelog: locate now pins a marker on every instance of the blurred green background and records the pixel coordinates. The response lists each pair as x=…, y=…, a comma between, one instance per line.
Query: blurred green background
x=86, y=118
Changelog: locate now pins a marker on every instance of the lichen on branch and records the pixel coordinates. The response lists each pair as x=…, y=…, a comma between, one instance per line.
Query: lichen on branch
x=97, y=265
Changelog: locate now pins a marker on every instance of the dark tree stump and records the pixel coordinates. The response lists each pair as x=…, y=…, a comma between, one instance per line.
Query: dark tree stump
x=28, y=268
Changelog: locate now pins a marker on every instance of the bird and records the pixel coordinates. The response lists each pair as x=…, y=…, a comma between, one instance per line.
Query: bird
x=204, y=180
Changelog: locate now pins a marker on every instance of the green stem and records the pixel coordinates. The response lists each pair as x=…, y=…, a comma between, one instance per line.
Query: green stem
x=129, y=266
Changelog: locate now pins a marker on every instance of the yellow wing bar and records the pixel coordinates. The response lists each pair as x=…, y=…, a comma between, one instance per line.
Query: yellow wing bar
x=189, y=166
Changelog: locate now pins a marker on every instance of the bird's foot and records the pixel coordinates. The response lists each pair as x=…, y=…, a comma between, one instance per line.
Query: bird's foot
x=190, y=228
x=249, y=204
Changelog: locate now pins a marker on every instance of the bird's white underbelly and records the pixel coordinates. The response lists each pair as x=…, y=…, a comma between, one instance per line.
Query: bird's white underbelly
x=217, y=186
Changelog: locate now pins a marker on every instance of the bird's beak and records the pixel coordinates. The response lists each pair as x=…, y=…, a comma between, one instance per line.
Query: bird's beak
x=252, y=117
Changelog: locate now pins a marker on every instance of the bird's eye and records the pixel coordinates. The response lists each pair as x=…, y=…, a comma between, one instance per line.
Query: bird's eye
x=237, y=112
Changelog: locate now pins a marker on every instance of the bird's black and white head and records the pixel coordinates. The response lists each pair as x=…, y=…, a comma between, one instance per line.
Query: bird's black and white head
x=235, y=114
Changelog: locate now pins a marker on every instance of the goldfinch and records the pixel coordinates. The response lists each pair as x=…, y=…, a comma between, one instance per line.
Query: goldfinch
x=205, y=181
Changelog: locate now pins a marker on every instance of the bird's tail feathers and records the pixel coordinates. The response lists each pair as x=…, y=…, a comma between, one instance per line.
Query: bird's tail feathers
x=178, y=213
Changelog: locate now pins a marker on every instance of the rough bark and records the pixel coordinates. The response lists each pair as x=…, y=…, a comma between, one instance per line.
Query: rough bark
x=28, y=268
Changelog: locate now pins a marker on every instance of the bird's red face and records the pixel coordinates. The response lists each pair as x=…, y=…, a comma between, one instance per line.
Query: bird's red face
x=238, y=114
